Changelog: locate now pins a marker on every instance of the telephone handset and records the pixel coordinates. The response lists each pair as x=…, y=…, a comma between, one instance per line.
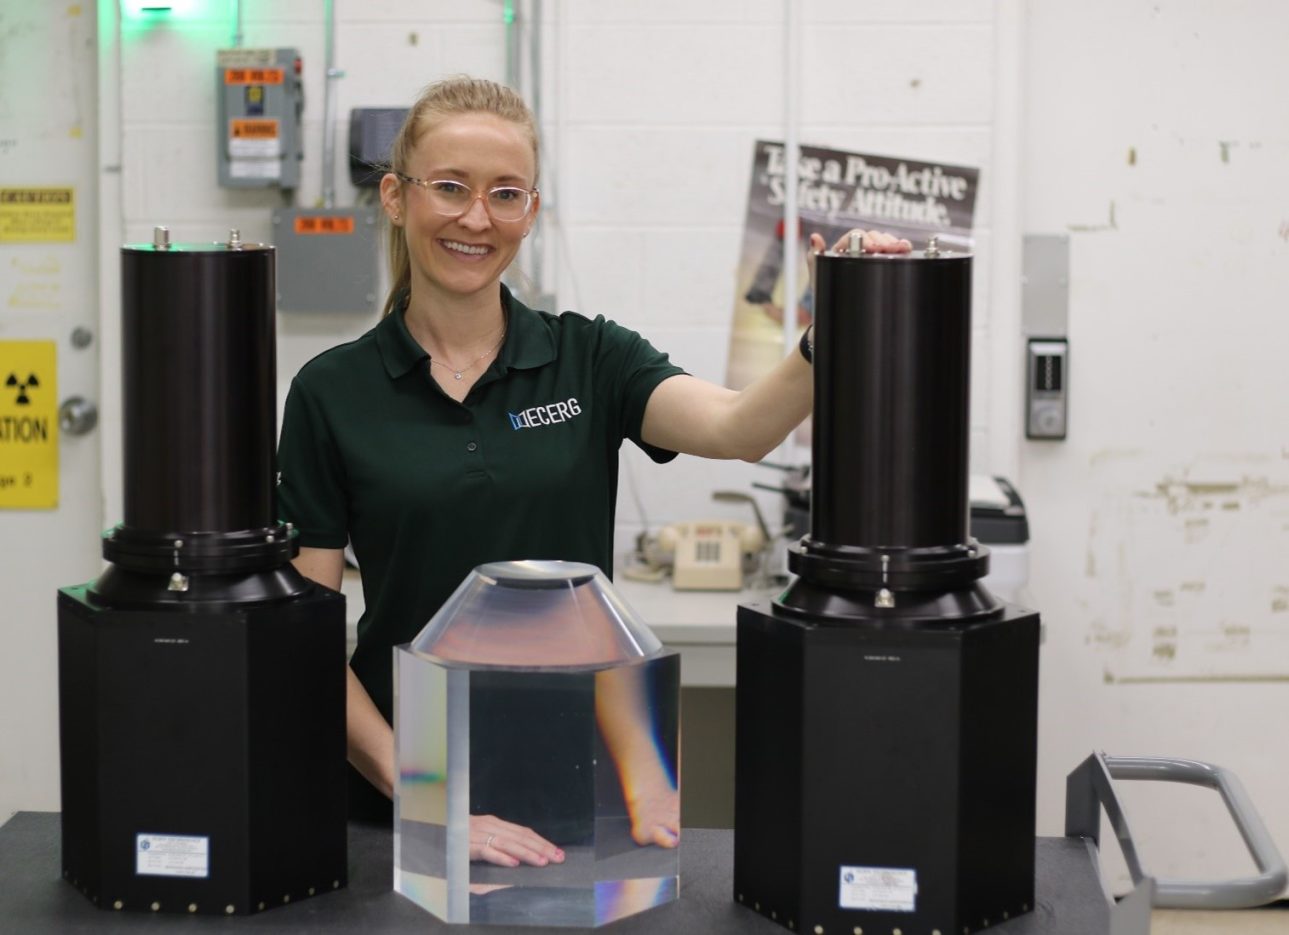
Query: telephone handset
x=708, y=555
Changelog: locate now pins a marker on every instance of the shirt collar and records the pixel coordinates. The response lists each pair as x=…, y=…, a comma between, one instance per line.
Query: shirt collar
x=529, y=343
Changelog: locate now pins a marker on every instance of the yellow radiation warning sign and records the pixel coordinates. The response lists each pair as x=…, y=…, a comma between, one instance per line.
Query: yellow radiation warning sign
x=37, y=215
x=28, y=425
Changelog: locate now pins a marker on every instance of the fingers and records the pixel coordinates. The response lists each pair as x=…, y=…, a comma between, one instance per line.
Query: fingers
x=661, y=834
x=881, y=242
x=666, y=836
x=816, y=243
x=508, y=845
x=870, y=242
x=656, y=819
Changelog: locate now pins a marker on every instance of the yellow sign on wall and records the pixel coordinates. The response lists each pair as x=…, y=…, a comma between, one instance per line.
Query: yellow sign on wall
x=28, y=425
x=37, y=215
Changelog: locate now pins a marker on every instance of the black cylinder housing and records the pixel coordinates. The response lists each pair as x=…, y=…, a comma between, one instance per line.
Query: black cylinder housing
x=199, y=406
x=892, y=368
x=200, y=388
x=892, y=372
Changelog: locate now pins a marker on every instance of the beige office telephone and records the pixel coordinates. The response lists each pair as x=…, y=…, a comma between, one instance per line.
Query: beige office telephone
x=710, y=555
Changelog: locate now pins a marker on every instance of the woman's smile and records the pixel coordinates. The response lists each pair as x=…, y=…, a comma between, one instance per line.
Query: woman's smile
x=466, y=251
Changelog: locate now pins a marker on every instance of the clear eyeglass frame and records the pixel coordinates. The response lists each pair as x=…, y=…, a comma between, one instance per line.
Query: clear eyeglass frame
x=497, y=202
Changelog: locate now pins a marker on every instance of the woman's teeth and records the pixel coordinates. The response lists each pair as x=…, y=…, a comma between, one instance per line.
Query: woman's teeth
x=465, y=247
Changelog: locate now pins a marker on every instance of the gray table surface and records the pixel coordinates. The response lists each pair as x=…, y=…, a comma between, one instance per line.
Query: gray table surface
x=35, y=900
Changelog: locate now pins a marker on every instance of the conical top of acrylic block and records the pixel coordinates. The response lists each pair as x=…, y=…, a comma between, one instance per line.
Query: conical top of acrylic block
x=536, y=614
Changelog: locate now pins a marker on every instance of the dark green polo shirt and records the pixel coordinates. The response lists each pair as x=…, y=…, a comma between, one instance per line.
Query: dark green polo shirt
x=426, y=488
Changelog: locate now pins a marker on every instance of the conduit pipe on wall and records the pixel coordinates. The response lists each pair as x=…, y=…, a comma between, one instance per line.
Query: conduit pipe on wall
x=529, y=84
x=329, y=111
x=538, y=248
x=791, y=157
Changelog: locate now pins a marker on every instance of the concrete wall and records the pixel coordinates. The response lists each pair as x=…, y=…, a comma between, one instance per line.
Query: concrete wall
x=1156, y=136
x=646, y=165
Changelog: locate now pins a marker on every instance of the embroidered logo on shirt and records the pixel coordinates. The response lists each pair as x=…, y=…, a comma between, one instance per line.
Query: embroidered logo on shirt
x=550, y=414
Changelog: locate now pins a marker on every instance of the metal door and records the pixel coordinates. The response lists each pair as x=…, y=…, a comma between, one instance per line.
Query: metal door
x=51, y=506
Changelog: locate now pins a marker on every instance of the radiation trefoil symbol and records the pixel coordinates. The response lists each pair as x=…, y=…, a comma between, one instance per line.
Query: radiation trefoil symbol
x=23, y=399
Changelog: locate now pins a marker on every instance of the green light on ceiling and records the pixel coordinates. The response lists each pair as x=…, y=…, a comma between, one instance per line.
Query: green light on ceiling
x=157, y=9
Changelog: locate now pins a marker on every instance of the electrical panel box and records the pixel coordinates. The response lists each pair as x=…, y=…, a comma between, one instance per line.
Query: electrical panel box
x=371, y=134
x=260, y=99
x=1047, y=376
x=327, y=259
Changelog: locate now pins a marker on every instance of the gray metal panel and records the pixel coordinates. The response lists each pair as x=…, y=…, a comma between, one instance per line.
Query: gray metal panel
x=1045, y=285
x=282, y=102
x=330, y=269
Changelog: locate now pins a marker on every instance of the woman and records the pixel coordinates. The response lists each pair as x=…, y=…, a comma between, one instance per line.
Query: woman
x=467, y=428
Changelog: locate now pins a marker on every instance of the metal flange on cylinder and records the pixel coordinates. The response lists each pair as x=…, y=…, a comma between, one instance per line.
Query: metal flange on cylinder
x=889, y=531
x=199, y=391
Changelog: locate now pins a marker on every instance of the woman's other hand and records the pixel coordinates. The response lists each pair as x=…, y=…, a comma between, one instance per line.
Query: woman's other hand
x=655, y=816
x=508, y=845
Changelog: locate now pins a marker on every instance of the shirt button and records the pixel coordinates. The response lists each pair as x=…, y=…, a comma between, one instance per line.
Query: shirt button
x=472, y=446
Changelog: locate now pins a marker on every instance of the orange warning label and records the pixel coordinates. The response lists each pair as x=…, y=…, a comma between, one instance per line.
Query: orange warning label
x=261, y=129
x=325, y=224
x=254, y=75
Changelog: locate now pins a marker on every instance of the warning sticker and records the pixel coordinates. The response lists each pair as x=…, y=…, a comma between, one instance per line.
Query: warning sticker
x=37, y=215
x=262, y=128
x=28, y=425
x=325, y=224
x=885, y=889
x=253, y=75
x=171, y=855
x=255, y=168
x=253, y=138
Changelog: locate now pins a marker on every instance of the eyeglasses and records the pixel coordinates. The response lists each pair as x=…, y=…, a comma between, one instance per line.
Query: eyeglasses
x=453, y=199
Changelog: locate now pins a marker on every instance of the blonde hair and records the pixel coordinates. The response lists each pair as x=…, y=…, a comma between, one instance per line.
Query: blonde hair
x=448, y=98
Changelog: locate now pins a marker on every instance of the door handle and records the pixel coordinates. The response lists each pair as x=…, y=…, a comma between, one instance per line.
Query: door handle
x=77, y=416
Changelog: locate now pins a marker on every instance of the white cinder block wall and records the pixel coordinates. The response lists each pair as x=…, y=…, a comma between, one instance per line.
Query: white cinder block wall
x=649, y=114
x=1157, y=137
x=1177, y=295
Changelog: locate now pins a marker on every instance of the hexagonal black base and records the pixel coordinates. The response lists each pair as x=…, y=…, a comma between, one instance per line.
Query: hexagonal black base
x=203, y=753
x=885, y=772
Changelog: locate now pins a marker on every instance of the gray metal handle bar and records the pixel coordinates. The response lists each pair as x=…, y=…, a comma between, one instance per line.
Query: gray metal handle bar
x=1088, y=789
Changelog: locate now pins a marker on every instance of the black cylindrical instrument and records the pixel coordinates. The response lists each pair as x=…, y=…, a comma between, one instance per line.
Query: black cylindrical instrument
x=889, y=509
x=886, y=702
x=893, y=347
x=199, y=387
x=201, y=676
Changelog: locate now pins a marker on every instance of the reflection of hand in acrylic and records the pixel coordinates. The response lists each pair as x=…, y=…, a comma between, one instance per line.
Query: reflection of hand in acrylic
x=626, y=722
x=655, y=815
x=507, y=844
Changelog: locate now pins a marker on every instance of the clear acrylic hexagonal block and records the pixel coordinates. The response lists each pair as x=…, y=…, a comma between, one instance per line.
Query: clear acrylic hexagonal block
x=536, y=702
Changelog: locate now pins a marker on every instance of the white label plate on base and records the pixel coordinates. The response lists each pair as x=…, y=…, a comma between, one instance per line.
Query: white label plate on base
x=171, y=855
x=883, y=889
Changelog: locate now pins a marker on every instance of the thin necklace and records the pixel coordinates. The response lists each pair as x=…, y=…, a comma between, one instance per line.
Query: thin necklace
x=458, y=374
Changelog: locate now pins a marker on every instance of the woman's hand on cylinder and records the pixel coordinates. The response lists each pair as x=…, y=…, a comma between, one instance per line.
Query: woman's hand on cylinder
x=870, y=242
x=508, y=845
